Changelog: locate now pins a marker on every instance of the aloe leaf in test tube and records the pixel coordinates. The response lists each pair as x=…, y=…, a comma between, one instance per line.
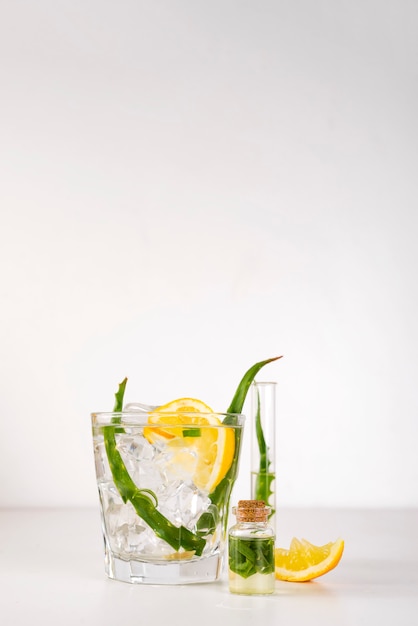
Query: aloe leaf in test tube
x=263, y=446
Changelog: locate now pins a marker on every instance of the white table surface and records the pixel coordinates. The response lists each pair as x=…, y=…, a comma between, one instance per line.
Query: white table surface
x=51, y=572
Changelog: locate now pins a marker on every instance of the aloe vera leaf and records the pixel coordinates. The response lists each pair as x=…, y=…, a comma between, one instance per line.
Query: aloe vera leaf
x=176, y=537
x=119, y=396
x=264, y=478
x=249, y=556
x=241, y=393
x=223, y=490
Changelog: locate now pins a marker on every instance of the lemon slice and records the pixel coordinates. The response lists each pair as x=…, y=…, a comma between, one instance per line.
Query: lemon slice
x=305, y=561
x=196, y=429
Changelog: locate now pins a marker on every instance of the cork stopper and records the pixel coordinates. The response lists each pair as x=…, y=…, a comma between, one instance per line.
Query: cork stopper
x=251, y=511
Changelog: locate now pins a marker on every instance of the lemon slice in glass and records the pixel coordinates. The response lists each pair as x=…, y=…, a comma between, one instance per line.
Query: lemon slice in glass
x=190, y=424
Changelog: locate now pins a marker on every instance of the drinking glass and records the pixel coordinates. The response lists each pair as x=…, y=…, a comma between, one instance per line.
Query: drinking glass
x=164, y=493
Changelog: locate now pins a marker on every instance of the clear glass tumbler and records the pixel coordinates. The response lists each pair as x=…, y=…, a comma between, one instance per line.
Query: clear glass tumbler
x=164, y=491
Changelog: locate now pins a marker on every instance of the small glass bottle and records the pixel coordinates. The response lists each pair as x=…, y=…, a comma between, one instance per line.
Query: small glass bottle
x=251, y=550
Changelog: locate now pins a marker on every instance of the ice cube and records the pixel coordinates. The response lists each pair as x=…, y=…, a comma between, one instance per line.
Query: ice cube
x=176, y=462
x=138, y=407
x=100, y=460
x=138, y=454
x=182, y=503
x=151, y=546
x=134, y=448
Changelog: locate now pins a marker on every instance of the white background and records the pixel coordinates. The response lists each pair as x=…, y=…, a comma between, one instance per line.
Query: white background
x=188, y=187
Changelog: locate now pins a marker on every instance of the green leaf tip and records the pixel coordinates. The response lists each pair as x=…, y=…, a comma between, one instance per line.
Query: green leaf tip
x=119, y=396
x=242, y=389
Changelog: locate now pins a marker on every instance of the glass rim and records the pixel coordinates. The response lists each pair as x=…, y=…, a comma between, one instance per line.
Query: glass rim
x=140, y=418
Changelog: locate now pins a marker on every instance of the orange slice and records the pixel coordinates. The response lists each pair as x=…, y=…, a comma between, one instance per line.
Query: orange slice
x=305, y=561
x=190, y=426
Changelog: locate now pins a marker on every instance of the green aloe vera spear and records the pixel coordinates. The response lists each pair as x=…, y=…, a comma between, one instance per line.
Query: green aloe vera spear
x=142, y=499
x=222, y=492
x=264, y=478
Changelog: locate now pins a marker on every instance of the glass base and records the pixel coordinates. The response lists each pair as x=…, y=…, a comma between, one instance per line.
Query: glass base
x=202, y=570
